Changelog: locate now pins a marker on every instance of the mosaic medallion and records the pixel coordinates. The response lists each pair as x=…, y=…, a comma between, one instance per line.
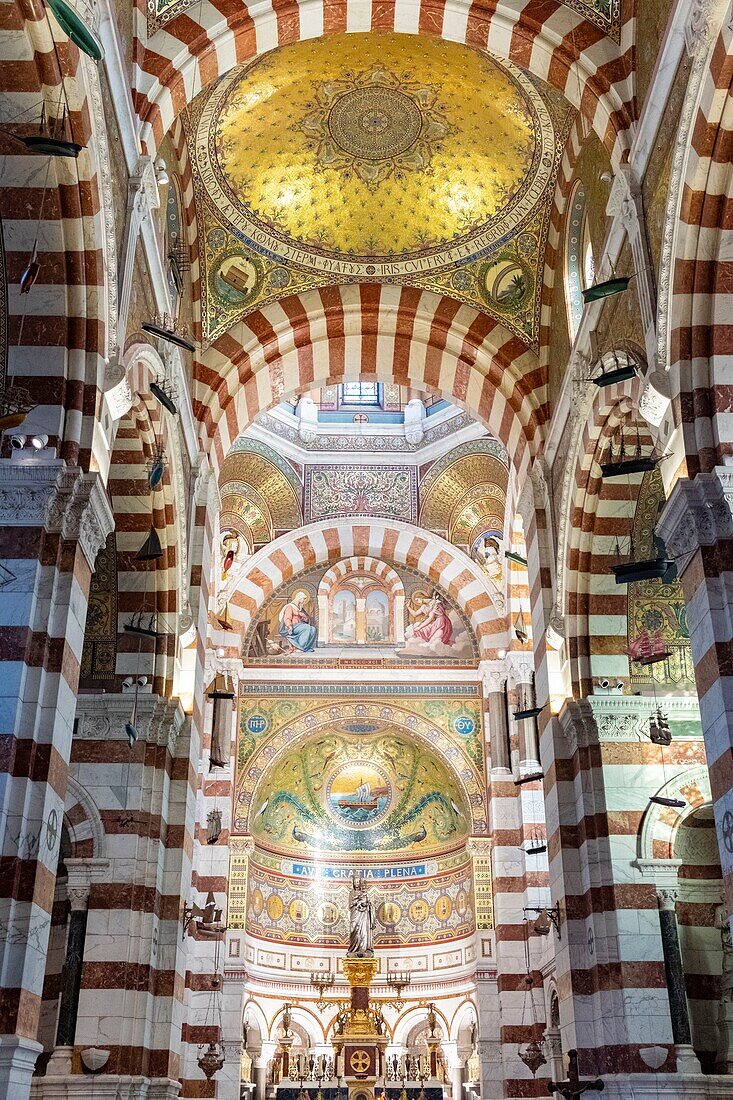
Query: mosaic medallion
x=359, y=794
x=374, y=125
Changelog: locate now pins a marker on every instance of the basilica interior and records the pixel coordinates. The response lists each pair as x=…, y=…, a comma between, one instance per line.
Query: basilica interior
x=366, y=549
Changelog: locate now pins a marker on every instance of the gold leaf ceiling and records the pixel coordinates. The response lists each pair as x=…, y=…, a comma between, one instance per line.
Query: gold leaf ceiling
x=385, y=158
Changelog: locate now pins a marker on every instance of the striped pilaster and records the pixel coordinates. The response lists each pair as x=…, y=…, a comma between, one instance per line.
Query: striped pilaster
x=697, y=525
x=133, y=975
x=54, y=520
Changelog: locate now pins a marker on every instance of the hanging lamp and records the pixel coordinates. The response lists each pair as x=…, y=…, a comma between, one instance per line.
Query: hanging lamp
x=221, y=693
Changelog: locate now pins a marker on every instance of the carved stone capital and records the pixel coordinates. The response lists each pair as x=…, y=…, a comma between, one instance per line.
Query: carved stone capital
x=143, y=188
x=88, y=516
x=667, y=898
x=698, y=512
x=520, y=667
x=493, y=676
x=82, y=873
x=241, y=845
x=103, y=717
x=623, y=201
x=59, y=498
x=479, y=846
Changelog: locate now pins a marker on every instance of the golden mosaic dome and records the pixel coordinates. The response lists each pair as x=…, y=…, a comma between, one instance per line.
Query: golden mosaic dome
x=374, y=154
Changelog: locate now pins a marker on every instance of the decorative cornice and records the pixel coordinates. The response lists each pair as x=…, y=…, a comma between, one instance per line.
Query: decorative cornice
x=102, y=718
x=605, y=718
x=59, y=498
x=698, y=513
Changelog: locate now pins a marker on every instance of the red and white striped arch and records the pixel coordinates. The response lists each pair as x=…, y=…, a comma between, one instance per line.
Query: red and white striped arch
x=379, y=570
x=394, y=334
x=390, y=541
x=598, y=513
x=701, y=302
x=545, y=37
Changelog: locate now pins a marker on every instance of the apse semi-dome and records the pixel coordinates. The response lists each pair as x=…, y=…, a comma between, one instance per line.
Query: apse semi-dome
x=360, y=788
x=344, y=153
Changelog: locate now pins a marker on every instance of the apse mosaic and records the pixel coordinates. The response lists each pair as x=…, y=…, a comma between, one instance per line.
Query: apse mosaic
x=344, y=792
x=367, y=796
x=382, y=157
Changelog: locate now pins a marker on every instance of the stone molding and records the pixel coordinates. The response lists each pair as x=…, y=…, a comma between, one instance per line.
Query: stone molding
x=102, y=718
x=62, y=499
x=608, y=718
x=698, y=512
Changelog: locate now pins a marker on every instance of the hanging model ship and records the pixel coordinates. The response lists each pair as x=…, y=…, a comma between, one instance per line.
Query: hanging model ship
x=629, y=459
x=645, y=650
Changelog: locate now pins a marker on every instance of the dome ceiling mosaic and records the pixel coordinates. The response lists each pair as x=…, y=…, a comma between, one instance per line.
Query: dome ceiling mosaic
x=386, y=158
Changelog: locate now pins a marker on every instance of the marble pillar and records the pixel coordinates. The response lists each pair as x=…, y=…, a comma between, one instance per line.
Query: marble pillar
x=687, y=1061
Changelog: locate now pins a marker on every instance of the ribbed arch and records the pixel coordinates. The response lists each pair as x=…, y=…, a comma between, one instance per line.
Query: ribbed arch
x=393, y=334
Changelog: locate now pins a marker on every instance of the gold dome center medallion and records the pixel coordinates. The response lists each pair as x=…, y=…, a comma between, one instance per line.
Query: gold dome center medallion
x=375, y=123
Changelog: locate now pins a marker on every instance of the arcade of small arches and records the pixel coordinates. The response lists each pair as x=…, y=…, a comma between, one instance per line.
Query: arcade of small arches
x=365, y=525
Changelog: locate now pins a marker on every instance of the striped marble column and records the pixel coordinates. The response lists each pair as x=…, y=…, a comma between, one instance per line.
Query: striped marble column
x=132, y=982
x=53, y=520
x=697, y=527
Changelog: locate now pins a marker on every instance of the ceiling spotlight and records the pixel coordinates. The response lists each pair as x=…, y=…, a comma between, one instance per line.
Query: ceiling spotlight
x=128, y=682
x=161, y=172
x=18, y=442
x=38, y=442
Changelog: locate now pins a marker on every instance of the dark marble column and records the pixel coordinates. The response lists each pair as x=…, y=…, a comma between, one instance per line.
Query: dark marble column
x=71, y=975
x=686, y=1059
